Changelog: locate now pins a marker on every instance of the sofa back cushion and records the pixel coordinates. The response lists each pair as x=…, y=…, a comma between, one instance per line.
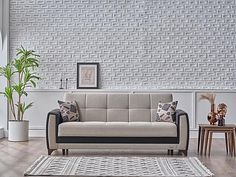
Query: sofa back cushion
x=118, y=107
x=139, y=105
x=96, y=107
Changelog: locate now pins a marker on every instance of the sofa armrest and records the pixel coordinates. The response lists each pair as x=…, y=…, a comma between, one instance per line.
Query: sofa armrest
x=182, y=122
x=57, y=113
x=53, y=120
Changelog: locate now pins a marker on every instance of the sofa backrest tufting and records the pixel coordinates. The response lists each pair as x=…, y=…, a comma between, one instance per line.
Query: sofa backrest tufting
x=118, y=107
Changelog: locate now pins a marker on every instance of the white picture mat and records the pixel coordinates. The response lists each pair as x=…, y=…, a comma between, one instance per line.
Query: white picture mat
x=88, y=75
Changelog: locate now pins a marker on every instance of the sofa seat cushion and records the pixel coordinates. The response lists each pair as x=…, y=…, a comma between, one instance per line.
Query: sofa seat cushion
x=118, y=129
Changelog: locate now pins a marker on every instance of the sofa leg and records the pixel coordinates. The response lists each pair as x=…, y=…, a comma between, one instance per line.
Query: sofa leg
x=50, y=151
x=170, y=152
x=184, y=152
x=65, y=151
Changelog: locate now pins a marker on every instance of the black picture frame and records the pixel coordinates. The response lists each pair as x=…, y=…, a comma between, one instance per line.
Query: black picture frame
x=87, y=75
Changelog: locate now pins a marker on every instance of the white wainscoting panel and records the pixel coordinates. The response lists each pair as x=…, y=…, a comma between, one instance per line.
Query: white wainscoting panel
x=43, y=103
x=185, y=103
x=45, y=100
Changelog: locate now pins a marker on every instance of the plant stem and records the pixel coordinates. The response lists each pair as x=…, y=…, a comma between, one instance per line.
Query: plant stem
x=11, y=102
x=19, y=100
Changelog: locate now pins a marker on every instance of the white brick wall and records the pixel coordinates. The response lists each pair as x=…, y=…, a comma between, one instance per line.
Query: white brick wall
x=140, y=44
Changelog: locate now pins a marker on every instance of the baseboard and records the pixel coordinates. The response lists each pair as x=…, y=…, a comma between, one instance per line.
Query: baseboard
x=2, y=135
x=37, y=133
x=32, y=133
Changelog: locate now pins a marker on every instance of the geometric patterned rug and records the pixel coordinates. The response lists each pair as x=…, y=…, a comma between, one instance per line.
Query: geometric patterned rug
x=117, y=166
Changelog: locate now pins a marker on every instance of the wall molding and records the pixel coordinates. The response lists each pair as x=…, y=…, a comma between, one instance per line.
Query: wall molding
x=134, y=90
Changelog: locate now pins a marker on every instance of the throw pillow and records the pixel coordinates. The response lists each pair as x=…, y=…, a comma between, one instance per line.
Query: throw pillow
x=166, y=111
x=69, y=111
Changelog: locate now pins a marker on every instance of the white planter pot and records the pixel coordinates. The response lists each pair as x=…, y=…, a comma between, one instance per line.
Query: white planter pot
x=18, y=130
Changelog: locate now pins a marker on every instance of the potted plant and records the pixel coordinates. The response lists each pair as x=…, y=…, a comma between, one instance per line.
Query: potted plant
x=20, y=75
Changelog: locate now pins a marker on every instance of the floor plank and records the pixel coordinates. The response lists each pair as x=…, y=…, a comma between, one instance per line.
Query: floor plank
x=16, y=157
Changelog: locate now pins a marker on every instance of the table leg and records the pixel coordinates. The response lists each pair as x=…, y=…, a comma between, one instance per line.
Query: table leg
x=210, y=140
x=233, y=141
x=230, y=142
x=202, y=139
x=226, y=142
x=231, y=145
x=199, y=133
x=206, y=141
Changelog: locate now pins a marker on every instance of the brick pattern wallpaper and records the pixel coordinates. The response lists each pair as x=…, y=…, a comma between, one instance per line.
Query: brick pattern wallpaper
x=140, y=44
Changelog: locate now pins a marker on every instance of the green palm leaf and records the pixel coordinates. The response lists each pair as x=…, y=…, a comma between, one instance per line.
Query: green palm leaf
x=21, y=69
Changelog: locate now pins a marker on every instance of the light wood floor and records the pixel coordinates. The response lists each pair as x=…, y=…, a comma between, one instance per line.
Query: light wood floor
x=15, y=158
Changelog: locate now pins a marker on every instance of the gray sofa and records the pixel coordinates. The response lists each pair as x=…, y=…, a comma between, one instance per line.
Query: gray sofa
x=118, y=121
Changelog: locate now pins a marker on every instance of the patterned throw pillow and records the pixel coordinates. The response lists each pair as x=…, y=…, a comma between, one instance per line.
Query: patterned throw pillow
x=69, y=111
x=166, y=111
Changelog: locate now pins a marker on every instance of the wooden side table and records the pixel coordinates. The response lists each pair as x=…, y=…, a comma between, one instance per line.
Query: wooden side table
x=205, y=137
x=229, y=140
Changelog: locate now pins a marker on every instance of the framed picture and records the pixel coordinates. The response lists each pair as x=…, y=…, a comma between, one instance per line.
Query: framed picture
x=87, y=75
